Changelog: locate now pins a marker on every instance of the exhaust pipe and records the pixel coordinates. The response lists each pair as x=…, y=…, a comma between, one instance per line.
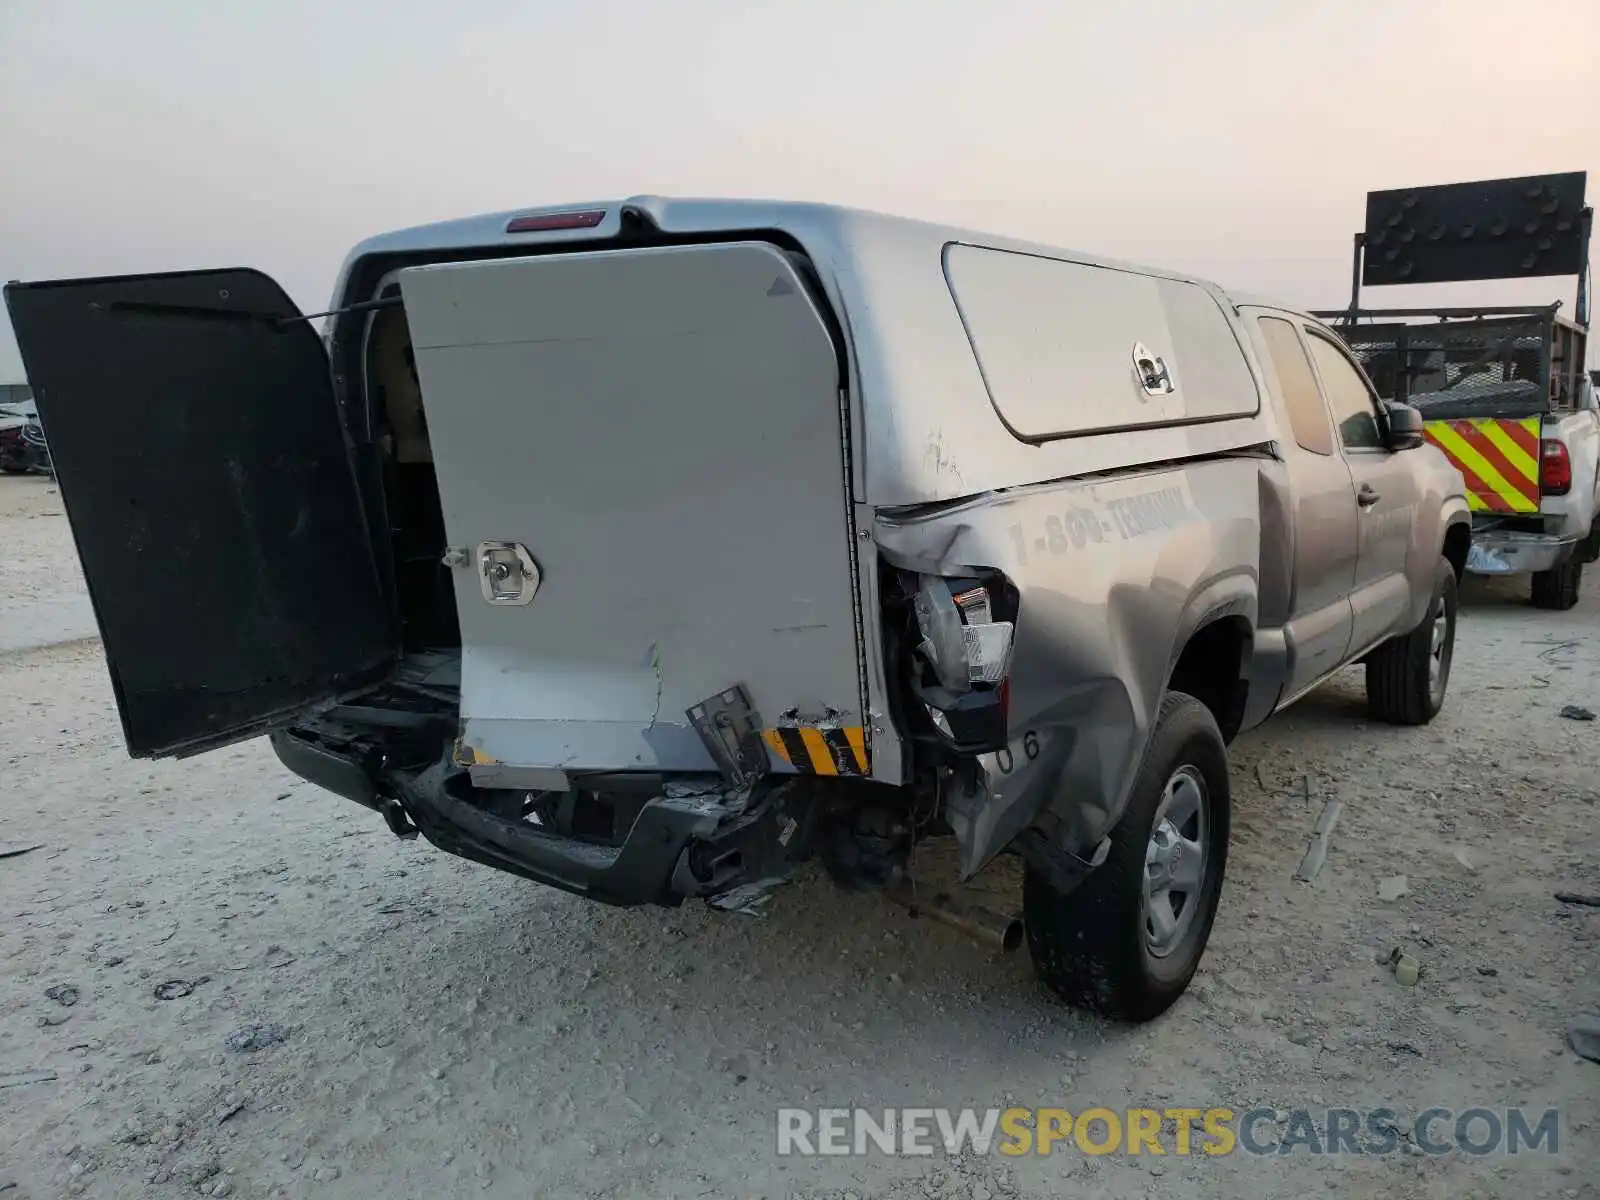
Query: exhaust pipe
x=995, y=930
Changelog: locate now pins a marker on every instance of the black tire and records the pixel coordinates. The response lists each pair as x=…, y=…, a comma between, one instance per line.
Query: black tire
x=1589, y=549
x=1557, y=588
x=1401, y=686
x=1092, y=945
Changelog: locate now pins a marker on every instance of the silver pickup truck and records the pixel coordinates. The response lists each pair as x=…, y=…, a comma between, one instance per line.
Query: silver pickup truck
x=647, y=549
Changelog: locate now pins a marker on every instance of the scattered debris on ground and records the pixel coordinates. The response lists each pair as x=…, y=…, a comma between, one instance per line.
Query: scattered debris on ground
x=1407, y=970
x=176, y=989
x=1583, y=1035
x=248, y=1038
x=1317, y=844
x=23, y=1078
x=1394, y=888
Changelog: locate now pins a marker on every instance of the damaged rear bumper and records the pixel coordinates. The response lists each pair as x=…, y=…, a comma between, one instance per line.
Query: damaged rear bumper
x=729, y=847
x=332, y=772
x=696, y=838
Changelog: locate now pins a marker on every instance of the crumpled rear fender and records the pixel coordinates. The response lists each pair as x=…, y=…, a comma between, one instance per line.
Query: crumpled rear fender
x=1114, y=576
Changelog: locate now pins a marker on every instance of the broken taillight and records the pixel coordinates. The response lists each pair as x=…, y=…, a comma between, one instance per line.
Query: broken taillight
x=968, y=629
x=1555, y=467
x=961, y=641
x=549, y=222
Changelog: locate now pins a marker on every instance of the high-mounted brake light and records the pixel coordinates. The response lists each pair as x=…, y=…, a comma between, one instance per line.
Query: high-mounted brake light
x=1555, y=467
x=548, y=222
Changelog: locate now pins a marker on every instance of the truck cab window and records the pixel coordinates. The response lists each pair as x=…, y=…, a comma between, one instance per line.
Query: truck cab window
x=1349, y=400
x=1297, y=385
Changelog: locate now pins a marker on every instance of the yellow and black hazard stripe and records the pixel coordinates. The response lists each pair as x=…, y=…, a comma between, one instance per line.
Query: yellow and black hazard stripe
x=1498, y=459
x=820, y=750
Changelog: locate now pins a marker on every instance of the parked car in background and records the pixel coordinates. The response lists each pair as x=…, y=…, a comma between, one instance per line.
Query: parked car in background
x=36, y=451
x=22, y=445
x=13, y=449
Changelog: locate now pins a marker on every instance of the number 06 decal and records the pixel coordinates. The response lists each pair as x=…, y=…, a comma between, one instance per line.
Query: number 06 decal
x=1005, y=761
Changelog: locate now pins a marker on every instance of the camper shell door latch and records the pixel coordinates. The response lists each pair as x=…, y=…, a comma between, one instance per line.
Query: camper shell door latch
x=507, y=573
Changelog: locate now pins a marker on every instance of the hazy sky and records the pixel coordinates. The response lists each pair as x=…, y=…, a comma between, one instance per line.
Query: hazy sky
x=1235, y=138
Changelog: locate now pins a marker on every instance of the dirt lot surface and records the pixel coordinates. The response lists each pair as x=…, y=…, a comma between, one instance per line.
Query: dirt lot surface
x=348, y=1015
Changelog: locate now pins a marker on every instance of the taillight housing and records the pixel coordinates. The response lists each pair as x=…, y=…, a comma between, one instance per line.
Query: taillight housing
x=963, y=660
x=1555, y=467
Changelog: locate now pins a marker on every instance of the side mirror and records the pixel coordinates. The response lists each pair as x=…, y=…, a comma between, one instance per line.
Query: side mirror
x=1405, y=426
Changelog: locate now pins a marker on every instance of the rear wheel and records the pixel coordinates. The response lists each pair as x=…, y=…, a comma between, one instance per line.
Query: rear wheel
x=1557, y=588
x=1589, y=549
x=1407, y=676
x=1127, y=941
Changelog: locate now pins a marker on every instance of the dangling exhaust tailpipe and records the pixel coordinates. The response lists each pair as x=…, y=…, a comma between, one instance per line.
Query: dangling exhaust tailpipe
x=995, y=930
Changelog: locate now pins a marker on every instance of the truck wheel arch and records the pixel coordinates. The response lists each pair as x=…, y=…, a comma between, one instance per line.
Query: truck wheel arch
x=1213, y=668
x=1457, y=542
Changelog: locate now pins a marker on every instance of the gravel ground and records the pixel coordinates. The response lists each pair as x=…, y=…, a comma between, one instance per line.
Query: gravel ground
x=351, y=1015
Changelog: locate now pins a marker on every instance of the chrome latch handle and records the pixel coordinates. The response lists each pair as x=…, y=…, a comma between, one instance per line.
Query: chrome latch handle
x=1154, y=377
x=507, y=573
